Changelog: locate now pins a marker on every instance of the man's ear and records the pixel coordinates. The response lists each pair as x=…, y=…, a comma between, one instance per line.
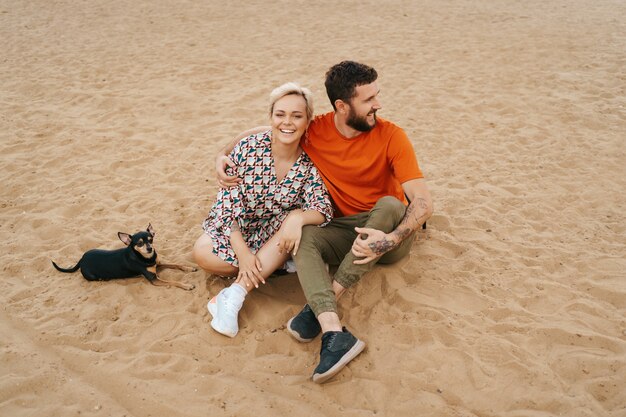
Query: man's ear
x=341, y=106
x=124, y=237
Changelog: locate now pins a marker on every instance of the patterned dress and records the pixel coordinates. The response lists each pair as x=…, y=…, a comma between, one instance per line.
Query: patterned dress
x=260, y=203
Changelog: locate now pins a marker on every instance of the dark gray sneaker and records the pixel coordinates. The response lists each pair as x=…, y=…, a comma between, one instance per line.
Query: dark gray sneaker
x=304, y=326
x=338, y=348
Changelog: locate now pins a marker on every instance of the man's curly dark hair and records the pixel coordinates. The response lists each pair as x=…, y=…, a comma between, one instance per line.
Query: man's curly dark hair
x=343, y=78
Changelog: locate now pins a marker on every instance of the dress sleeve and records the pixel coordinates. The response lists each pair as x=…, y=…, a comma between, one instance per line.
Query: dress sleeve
x=229, y=205
x=316, y=196
x=226, y=209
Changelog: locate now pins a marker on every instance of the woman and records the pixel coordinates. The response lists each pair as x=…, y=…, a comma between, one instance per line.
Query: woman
x=254, y=227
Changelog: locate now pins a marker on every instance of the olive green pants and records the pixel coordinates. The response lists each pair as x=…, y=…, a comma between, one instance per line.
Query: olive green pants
x=332, y=245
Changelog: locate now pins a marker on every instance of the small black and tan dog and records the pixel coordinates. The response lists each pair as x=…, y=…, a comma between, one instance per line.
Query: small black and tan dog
x=137, y=258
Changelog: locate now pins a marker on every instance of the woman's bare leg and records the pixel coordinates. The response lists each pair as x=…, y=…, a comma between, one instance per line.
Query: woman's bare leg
x=207, y=260
x=226, y=305
x=269, y=256
x=270, y=259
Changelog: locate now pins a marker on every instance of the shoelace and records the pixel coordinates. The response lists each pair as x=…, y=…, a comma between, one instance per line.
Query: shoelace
x=231, y=308
x=331, y=340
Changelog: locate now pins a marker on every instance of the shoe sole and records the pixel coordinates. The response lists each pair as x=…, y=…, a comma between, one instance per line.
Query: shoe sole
x=296, y=335
x=345, y=359
x=212, y=307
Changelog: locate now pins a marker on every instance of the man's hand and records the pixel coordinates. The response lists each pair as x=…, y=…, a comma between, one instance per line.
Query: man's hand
x=371, y=244
x=222, y=160
x=224, y=180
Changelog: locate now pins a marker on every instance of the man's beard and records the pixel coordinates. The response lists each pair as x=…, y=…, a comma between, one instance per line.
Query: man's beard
x=360, y=123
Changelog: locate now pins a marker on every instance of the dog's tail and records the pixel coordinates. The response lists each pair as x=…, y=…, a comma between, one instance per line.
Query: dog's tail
x=72, y=269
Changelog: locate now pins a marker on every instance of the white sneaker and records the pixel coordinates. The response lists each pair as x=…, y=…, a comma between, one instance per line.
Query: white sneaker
x=224, y=308
x=290, y=266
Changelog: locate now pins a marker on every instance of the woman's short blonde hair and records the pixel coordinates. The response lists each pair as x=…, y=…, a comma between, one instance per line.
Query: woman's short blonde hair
x=289, y=89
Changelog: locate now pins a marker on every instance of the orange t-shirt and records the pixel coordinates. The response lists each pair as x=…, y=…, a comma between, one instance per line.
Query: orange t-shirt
x=359, y=171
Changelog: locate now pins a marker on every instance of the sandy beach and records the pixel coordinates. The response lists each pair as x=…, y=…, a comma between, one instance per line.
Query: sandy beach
x=512, y=302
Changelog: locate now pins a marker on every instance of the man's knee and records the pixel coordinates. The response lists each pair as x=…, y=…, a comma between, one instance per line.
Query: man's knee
x=308, y=233
x=310, y=237
x=386, y=214
x=391, y=205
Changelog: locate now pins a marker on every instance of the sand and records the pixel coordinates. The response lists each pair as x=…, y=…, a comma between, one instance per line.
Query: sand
x=512, y=303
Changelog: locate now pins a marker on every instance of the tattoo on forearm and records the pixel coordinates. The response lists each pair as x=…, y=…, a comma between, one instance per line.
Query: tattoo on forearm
x=235, y=227
x=382, y=246
x=403, y=232
x=414, y=217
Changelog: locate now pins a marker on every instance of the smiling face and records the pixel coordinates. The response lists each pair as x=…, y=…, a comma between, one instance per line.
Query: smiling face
x=289, y=119
x=363, y=107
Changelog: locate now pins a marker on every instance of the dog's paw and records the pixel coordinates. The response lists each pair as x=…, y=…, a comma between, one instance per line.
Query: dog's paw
x=189, y=287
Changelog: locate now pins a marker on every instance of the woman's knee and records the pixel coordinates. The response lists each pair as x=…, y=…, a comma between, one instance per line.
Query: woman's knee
x=205, y=258
x=200, y=248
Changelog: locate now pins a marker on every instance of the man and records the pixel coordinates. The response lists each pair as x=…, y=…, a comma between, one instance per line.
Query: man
x=369, y=168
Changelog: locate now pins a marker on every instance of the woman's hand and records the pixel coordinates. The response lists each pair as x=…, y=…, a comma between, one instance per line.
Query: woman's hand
x=249, y=270
x=290, y=232
x=224, y=180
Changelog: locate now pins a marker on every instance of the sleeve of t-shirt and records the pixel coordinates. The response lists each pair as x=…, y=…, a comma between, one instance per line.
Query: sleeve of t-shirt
x=402, y=158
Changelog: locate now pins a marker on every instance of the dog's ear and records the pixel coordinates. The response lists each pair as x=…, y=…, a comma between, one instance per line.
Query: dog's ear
x=124, y=237
x=150, y=229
